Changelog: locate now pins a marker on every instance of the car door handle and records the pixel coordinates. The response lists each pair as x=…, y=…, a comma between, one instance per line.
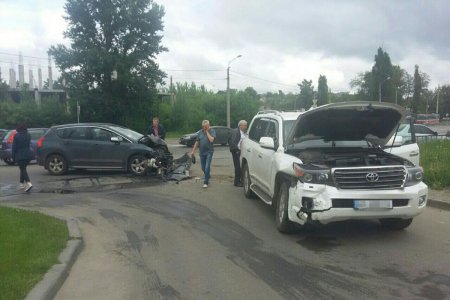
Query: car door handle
x=248, y=150
x=260, y=155
x=413, y=153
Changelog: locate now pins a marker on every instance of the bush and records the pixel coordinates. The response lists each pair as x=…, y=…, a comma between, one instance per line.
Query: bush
x=435, y=159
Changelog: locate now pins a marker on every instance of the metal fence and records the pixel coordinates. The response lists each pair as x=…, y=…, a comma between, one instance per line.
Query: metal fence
x=428, y=138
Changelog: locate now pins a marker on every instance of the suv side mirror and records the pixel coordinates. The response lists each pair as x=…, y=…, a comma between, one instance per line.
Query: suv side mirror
x=267, y=142
x=116, y=139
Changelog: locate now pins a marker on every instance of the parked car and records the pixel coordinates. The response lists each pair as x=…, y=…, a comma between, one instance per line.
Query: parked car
x=222, y=135
x=100, y=146
x=330, y=164
x=3, y=132
x=6, y=143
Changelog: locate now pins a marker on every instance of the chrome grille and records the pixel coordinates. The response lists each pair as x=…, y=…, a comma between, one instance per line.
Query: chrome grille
x=391, y=177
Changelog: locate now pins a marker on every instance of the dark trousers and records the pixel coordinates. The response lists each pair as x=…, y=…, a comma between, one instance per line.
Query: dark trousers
x=237, y=166
x=23, y=170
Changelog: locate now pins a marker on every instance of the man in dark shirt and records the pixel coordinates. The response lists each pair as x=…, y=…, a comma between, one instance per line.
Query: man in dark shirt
x=205, y=143
x=237, y=136
x=156, y=129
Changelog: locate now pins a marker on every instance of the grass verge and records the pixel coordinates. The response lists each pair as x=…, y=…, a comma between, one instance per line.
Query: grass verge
x=30, y=243
x=435, y=160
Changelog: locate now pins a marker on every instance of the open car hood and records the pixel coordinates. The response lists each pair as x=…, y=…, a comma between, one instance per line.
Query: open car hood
x=347, y=121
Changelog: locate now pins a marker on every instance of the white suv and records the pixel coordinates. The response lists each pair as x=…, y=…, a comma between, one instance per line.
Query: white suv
x=336, y=162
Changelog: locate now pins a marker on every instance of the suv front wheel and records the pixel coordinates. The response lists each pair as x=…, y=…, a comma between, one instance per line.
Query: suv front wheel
x=281, y=212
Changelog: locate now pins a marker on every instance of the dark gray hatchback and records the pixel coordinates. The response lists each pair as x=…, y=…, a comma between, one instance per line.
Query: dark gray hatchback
x=98, y=146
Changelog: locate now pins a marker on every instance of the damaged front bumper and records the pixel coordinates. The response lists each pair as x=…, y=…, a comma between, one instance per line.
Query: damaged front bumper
x=325, y=204
x=177, y=169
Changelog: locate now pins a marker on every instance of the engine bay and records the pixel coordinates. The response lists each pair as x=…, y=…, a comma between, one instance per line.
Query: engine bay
x=342, y=158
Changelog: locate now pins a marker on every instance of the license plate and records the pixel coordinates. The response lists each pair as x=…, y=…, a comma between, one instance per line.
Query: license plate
x=372, y=204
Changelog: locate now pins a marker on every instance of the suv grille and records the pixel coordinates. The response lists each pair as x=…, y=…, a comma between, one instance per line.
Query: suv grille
x=391, y=177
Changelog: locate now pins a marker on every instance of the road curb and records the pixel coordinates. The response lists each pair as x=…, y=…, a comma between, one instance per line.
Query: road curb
x=55, y=277
x=439, y=204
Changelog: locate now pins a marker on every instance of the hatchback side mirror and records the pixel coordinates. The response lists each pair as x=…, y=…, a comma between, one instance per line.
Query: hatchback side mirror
x=116, y=139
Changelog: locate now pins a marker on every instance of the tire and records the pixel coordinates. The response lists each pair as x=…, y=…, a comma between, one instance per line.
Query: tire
x=396, y=224
x=56, y=164
x=282, y=221
x=247, y=182
x=137, y=165
x=9, y=161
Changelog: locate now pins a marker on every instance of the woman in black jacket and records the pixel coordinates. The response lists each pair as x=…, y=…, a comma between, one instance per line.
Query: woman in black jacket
x=22, y=154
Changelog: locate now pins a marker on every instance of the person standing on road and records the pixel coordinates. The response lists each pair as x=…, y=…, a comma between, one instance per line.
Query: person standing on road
x=157, y=129
x=237, y=136
x=204, y=142
x=22, y=154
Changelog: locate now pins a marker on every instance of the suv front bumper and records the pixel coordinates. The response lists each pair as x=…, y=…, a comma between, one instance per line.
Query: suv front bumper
x=325, y=199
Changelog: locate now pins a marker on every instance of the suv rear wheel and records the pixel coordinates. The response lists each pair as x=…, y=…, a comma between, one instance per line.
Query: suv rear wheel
x=396, y=224
x=56, y=164
x=281, y=212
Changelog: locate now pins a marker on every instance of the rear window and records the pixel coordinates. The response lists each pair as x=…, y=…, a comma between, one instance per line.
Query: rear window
x=36, y=133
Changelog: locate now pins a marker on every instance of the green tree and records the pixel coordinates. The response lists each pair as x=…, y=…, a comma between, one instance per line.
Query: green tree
x=306, y=94
x=110, y=66
x=382, y=73
x=419, y=102
x=322, y=91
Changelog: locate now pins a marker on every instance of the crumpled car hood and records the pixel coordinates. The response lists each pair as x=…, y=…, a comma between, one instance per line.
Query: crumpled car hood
x=348, y=121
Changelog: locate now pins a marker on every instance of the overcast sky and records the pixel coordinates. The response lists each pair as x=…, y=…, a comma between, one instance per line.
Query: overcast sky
x=281, y=42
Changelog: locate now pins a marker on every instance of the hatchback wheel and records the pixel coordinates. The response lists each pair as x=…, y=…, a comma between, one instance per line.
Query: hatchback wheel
x=56, y=164
x=138, y=165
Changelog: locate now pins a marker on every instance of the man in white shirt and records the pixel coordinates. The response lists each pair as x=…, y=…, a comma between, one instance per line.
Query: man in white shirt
x=237, y=136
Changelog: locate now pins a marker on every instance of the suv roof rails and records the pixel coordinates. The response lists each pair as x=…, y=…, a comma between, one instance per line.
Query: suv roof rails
x=270, y=111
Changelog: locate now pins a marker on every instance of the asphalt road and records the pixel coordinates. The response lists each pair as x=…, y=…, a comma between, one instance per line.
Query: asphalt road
x=148, y=239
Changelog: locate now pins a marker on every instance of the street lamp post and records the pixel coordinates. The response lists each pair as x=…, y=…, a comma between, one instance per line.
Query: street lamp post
x=228, y=90
x=379, y=88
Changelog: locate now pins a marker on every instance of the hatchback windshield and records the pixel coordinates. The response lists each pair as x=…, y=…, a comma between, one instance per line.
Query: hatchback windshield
x=131, y=134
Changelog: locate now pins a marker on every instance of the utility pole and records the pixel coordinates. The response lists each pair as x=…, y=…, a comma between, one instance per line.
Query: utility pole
x=379, y=88
x=437, y=100
x=228, y=91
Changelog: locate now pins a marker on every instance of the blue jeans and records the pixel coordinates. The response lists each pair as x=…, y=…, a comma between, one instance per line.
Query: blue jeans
x=205, y=160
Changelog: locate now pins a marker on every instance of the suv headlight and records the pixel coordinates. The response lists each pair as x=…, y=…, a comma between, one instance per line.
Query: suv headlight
x=311, y=174
x=415, y=175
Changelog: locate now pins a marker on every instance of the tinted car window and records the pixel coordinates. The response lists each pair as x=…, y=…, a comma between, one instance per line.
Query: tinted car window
x=36, y=133
x=423, y=130
x=73, y=133
x=100, y=134
x=258, y=129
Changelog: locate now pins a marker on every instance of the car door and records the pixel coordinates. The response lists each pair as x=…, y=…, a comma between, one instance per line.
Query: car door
x=250, y=148
x=77, y=145
x=107, y=154
x=219, y=135
x=266, y=156
x=409, y=149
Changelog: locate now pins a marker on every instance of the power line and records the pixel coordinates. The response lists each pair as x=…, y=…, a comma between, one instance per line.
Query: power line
x=198, y=79
x=266, y=80
x=193, y=70
x=35, y=57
